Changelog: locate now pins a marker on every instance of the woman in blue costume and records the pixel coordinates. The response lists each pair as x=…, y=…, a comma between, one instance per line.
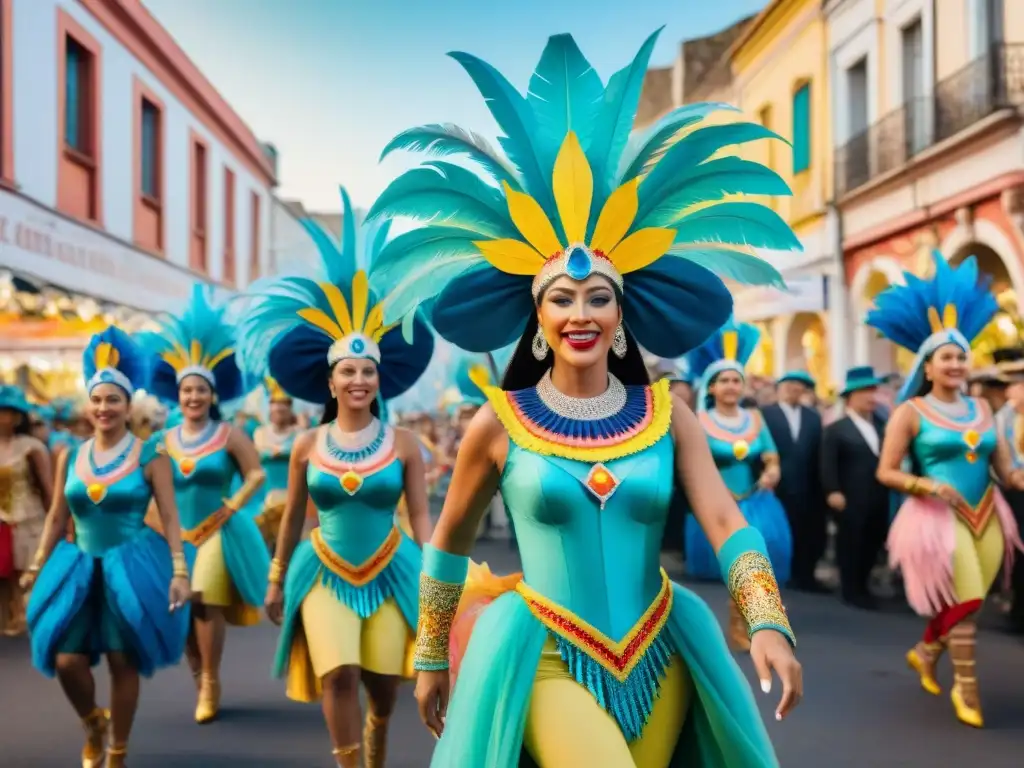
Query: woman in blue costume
x=744, y=453
x=196, y=369
x=955, y=530
x=107, y=593
x=594, y=658
x=274, y=442
x=349, y=603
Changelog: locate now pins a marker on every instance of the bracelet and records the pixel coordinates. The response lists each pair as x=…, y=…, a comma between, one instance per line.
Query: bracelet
x=919, y=486
x=180, y=565
x=751, y=581
x=277, y=569
x=38, y=561
x=441, y=585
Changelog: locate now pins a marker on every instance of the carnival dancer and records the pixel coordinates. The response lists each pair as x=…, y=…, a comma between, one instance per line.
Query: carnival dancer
x=955, y=531
x=745, y=455
x=196, y=369
x=349, y=604
x=594, y=658
x=148, y=415
x=274, y=441
x=26, y=487
x=107, y=593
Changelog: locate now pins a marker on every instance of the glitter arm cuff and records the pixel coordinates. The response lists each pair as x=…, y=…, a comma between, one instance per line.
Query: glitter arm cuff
x=441, y=584
x=748, y=574
x=253, y=480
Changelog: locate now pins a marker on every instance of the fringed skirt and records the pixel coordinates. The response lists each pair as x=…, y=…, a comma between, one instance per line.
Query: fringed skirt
x=117, y=602
x=764, y=512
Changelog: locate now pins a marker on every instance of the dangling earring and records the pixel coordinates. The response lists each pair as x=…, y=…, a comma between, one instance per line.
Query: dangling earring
x=619, y=344
x=540, y=345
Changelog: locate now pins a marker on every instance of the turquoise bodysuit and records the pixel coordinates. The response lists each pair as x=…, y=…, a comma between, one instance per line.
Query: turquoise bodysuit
x=275, y=460
x=737, y=451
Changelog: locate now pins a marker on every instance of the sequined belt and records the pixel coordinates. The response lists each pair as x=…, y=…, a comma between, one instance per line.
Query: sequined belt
x=201, y=533
x=977, y=517
x=356, y=575
x=618, y=658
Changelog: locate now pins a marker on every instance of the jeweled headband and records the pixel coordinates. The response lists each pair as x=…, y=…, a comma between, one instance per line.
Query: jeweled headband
x=112, y=357
x=578, y=262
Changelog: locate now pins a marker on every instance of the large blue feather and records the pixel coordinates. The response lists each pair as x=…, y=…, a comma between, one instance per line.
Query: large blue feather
x=415, y=254
x=132, y=360
x=646, y=147
x=343, y=269
x=737, y=224
x=713, y=350
x=445, y=140
x=730, y=265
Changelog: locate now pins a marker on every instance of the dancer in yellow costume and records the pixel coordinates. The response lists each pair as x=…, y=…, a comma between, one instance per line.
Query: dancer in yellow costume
x=955, y=531
x=348, y=605
x=584, y=255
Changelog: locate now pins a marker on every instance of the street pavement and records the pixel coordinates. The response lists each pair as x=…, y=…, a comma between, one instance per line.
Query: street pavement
x=862, y=707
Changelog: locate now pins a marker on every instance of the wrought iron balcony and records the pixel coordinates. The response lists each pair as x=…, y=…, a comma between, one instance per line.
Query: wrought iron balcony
x=988, y=84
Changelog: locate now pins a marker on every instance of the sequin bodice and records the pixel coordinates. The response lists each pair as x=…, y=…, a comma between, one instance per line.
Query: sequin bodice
x=202, y=474
x=738, y=448
x=275, y=458
x=356, y=501
x=108, y=509
x=19, y=493
x=956, y=451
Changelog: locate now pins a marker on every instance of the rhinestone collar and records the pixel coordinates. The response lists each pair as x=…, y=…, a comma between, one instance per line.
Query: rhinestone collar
x=604, y=406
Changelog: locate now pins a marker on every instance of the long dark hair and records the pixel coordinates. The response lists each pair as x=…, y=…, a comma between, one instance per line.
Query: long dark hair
x=331, y=406
x=525, y=371
x=24, y=424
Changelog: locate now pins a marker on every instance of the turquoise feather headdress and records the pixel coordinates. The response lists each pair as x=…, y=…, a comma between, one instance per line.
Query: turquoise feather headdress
x=12, y=398
x=575, y=197
x=297, y=328
x=953, y=307
x=471, y=377
x=113, y=357
x=727, y=350
x=198, y=342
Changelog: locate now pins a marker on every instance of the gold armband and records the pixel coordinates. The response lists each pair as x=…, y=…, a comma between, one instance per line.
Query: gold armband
x=241, y=497
x=919, y=486
x=439, y=602
x=753, y=586
x=179, y=565
x=277, y=568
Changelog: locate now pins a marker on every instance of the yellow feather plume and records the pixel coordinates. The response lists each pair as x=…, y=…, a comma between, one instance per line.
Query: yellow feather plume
x=274, y=391
x=641, y=249
x=616, y=217
x=479, y=375
x=730, y=344
x=195, y=356
x=512, y=257
x=360, y=299
x=532, y=222
x=375, y=323
x=319, y=319
x=339, y=308
x=107, y=356
x=573, y=185
x=949, y=316
x=934, y=320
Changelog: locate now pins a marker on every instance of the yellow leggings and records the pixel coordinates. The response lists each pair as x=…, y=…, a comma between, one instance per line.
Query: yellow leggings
x=976, y=562
x=565, y=726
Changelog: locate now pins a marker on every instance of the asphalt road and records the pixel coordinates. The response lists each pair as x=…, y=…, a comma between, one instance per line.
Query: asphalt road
x=862, y=706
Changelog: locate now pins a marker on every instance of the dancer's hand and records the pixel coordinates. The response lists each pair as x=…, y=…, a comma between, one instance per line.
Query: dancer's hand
x=432, y=691
x=836, y=501
x=180, y=592
x=951, y=496
x=28, y=579
x=770, y=478
x=1017, y=479
x=273, y=603
x=771, y=651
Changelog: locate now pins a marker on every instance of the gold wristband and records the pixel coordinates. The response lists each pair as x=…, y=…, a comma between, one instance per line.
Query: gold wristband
x=38, y=561
x=277, y=569
x=753, y=586
x=179, y=565
x=439, y=602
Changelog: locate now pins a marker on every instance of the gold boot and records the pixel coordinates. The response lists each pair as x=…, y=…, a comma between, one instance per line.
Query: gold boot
x=922, y=658
x=96, y=726
x=347, y=757
x=739, y=637
x=375, y=741
x=208, y=703
x=116, y=756
x=964, y=695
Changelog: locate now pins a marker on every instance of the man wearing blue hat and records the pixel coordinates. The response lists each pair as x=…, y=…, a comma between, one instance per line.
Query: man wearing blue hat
x=796, y=430
x=849, y=461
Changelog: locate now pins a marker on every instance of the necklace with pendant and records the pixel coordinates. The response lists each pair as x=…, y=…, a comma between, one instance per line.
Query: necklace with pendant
x=737, y=427
x=353, y=448
x=961, y=416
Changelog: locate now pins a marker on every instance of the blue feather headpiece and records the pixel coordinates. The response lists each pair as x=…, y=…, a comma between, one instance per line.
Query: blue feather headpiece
x=297, y=328
x=576, y=198
x=113, y=357
x=198, y=342
x=729, y=349
x=951, y=308
x=12, y=398
x=471, y=377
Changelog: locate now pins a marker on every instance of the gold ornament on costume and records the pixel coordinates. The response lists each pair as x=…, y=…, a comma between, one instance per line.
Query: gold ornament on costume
x=741, y=449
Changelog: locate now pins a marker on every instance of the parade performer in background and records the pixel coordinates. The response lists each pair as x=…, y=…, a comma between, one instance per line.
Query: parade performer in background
x=1010, y=422
x=955, y=531
x=148, y=415
x=107, y=593
x=26, y=488
x=196, y=369
x=744, y=453
x=594, y=658
x=274, y=441
x=349, y=604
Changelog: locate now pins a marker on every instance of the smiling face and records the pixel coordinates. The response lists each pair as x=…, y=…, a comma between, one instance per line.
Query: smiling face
x=579, y=319
x=727, y=388
x=354, y=384
x=195, y=396
x=947, y=367
x=108, y=408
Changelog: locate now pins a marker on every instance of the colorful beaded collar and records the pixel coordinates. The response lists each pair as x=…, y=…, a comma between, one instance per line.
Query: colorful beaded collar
x=97, y=484
x=186, y=457
x=740, y=438
x=643, y=420
x=352, y=473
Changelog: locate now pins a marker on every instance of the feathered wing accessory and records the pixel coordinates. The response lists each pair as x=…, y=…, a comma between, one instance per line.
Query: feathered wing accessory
x=198, y=342
x=113, y=357
x=952, y=307
x=729, y=349
x=657, y=216
x=471, y=377
x=297, y=328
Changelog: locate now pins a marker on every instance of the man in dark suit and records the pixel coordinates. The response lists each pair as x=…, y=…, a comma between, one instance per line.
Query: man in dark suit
x=796, y=430
x=1009, y=368
x=849, y=460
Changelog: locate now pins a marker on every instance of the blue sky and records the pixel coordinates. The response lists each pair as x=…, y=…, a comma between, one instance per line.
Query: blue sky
x=331, y=81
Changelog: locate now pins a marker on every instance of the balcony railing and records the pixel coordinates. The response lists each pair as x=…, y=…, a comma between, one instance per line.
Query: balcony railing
x=988, y=84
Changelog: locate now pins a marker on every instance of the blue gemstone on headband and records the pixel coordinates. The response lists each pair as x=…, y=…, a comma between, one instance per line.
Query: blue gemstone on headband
x=579, y=264
x=106, y=376
x=357, y=346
